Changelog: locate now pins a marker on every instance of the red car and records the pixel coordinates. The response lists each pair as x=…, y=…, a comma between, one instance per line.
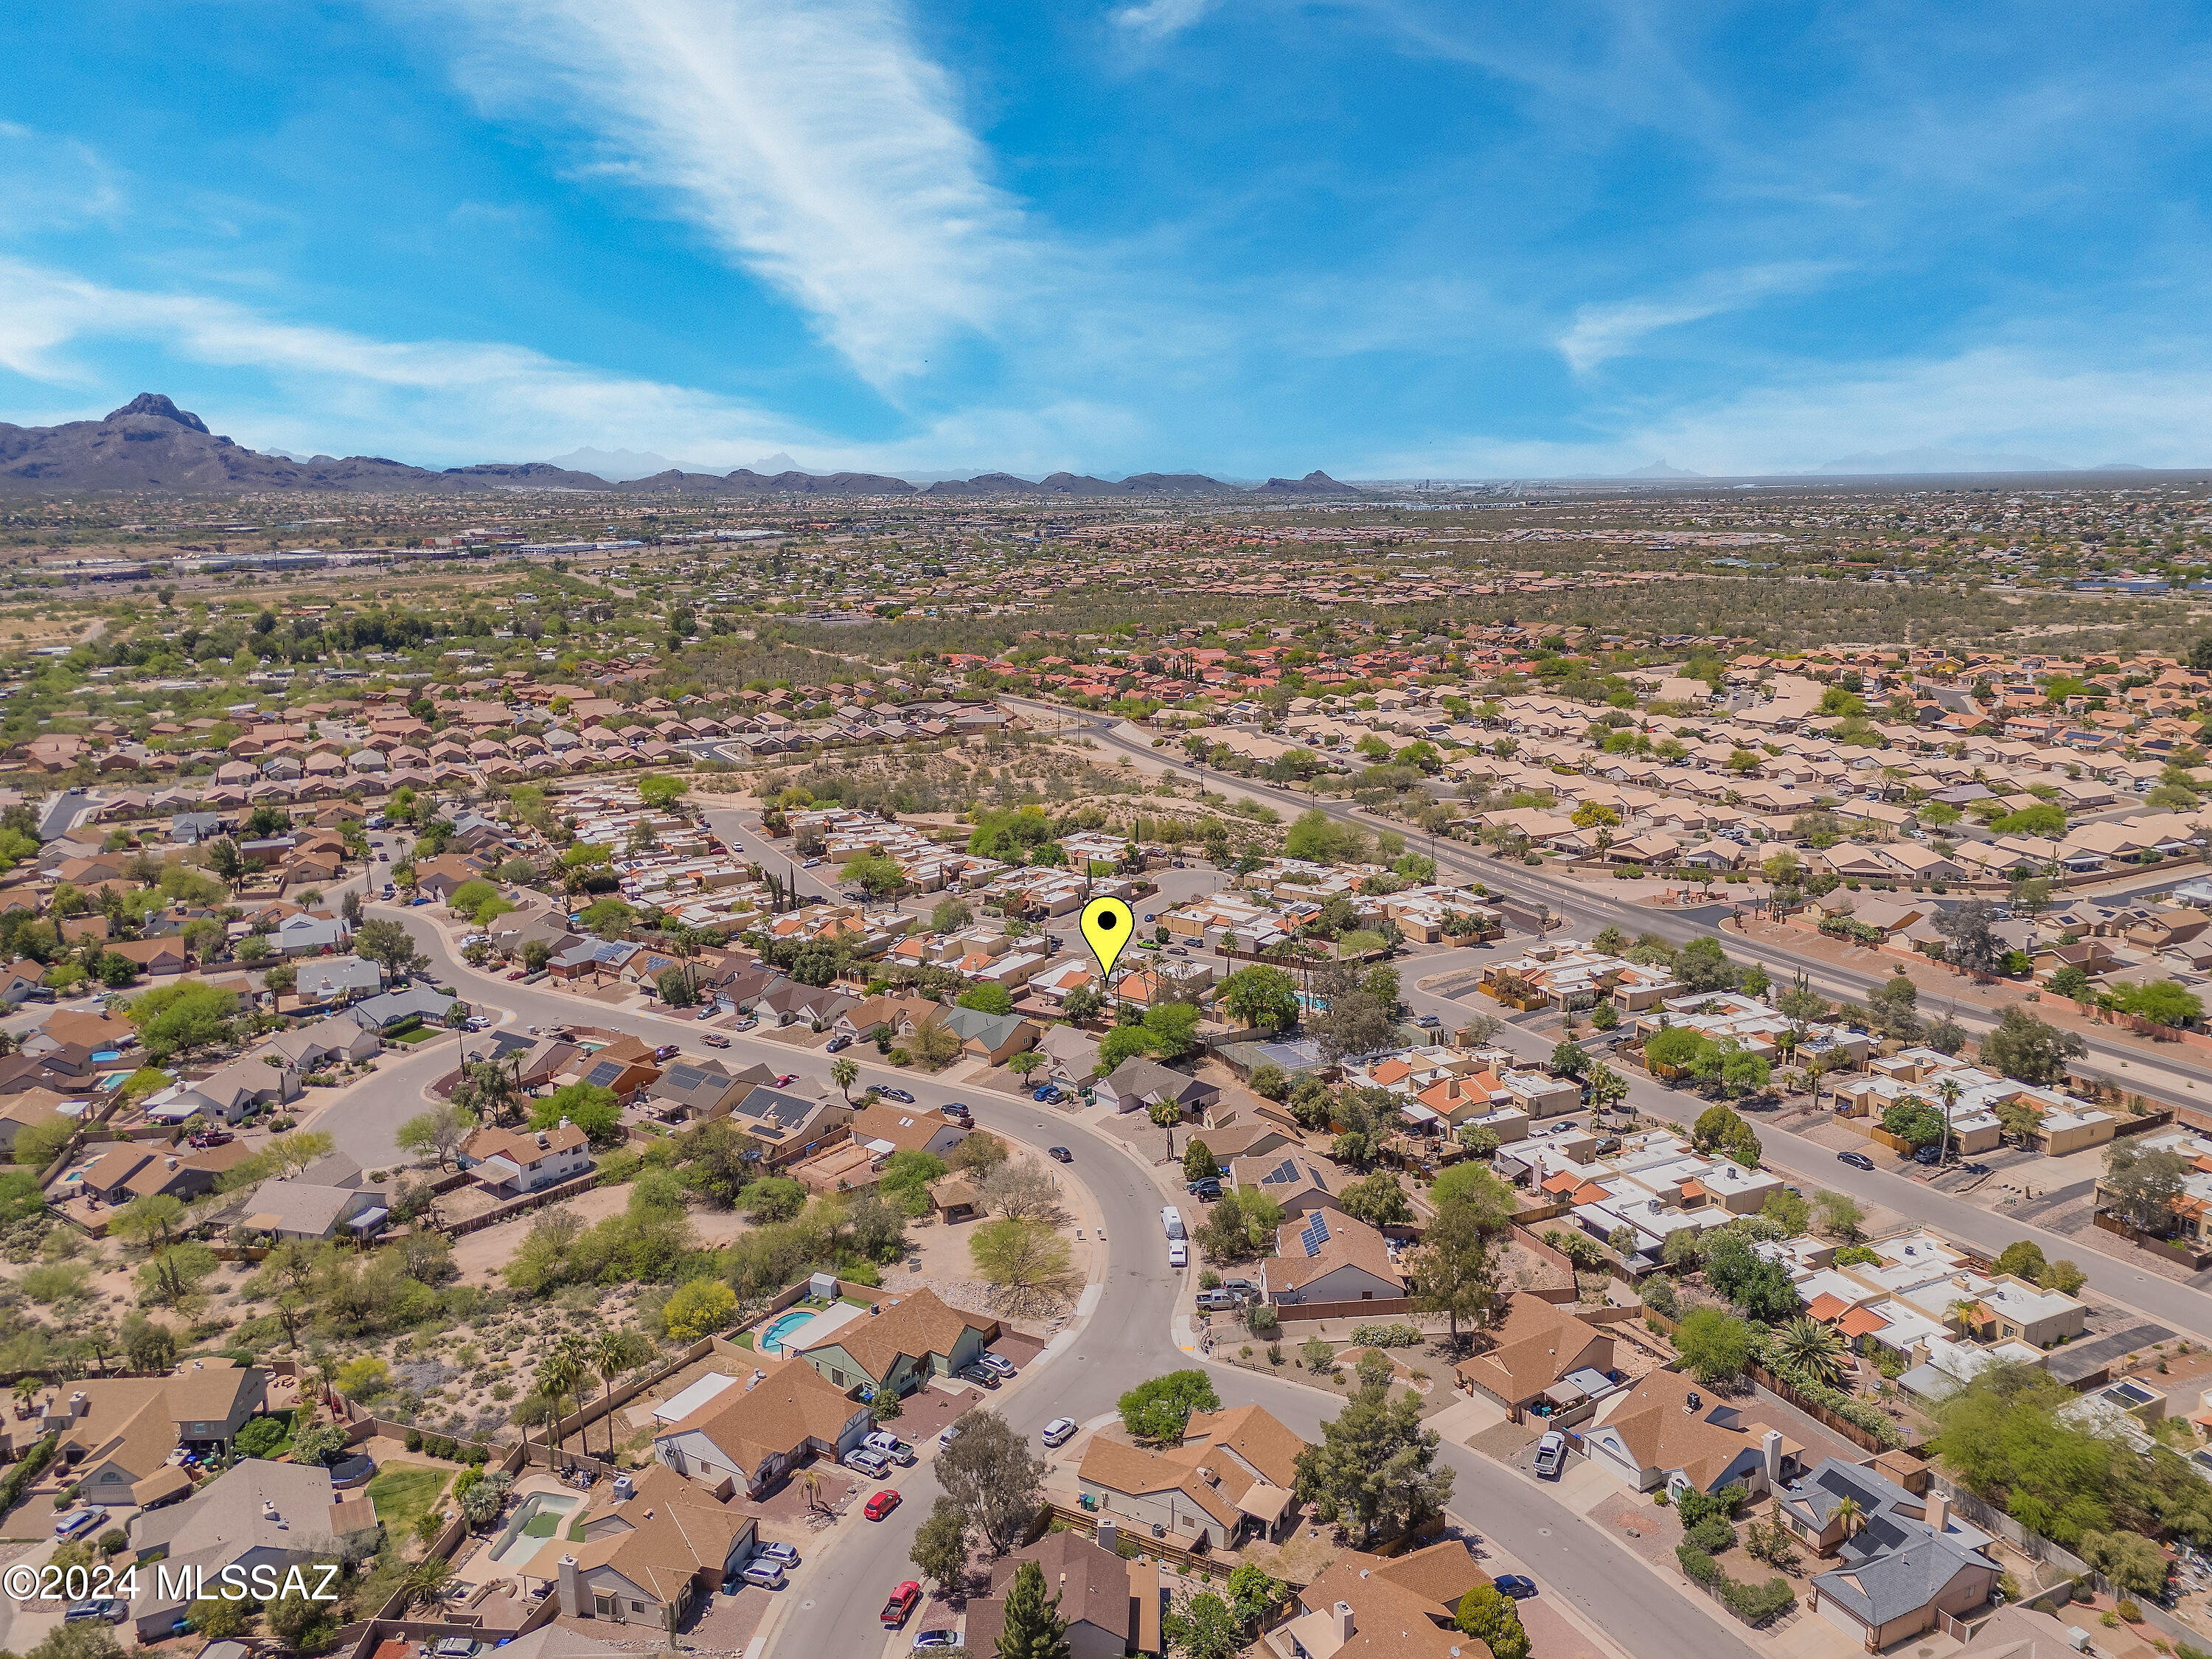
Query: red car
x=881, y=1504
x=787, y=1079
x=904, y=1599
x=520, y=972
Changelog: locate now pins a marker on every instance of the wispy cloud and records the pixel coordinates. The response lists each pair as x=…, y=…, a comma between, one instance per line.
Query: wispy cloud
x=1158, y=19
x=1616, y=328
x=432, y=401
x=813, y=141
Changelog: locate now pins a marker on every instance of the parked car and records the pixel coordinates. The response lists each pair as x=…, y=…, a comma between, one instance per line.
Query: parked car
x=715, y=1040
x=1930, y=1154
x=520, y=972
x=79, y=1521
x=899, y=1095
x=1178, y=1253
x=706, y=1013
x=1551, y=1454
x=455, y=1647
x=768, y=1575
x=1240, y=1287
x=783, y=1554
x=889, y=1445
x=812, y=863
x=666, y=1051
x=929, y=1641
x=1049, y=1094
x=904, y=1599
x=787, y=1079
x=997, y=1362
x=1059, y=1432
x=959, y=1112
x=861, y=1460
x=881, y=1504
x=1060, y=1154
x=1516, y=1585
x=951, y=1433
x=1856, y=1160
x=207, y=1138
x=1216, y=1302
x=838, y=1044
x=1205, y=1190
x=982, y=1376
x=101, y=1609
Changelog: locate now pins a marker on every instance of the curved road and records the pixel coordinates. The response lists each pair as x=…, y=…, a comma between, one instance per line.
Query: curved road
x=1124, y=1335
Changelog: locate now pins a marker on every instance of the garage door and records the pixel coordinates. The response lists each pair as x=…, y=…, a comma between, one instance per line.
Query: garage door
x=1833, y=1611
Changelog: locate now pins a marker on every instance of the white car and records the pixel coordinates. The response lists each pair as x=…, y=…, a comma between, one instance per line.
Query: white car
x=873, y=1464
x=1551, y=1454
x=1059, y=1432
x=998, y=1363
x=1178, y=1255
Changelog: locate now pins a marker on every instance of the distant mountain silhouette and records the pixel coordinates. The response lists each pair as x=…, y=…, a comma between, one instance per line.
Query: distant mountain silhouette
x=149, y=445
x=1315, y=482
x=1659, y=469
x=621, y=464
x=1941, y=460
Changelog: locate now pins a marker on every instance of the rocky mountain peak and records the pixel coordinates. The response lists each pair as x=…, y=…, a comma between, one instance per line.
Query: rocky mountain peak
x=153, y=402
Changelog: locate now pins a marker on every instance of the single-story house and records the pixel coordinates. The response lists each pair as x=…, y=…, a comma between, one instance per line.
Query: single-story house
x=1110, y=1607
x=901, y=1343
x=1138, y=1083
x=1329, y=1257
x=1666, y=1432
x=653, y=1556
x=753, y=1433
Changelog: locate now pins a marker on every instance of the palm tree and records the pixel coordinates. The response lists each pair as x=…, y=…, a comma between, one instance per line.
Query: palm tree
x=1167, y=1114
x=616, y=1353
x=1813, y=1348
x=426, y=1583
x=810, y=1484
x=28, y=1389
x=559, y=1375
x=1948, y=1089
x=845, y=1073
x=1847, y=1511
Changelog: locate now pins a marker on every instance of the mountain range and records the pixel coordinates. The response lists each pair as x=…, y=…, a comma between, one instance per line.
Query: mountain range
x=149, y=445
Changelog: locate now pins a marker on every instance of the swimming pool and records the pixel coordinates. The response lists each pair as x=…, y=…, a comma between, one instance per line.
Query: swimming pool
x=537, y=1524
x=771, y=1337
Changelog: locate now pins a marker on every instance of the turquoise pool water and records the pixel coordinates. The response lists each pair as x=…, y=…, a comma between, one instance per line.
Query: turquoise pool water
x=771, y=1337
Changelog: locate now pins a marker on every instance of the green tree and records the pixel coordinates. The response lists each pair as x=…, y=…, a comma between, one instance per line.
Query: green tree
x=179, y=1019
x=1375, y=1468
x=881, y=876
x=1260, y=997
x=988, y=999
x=1489, y=1615
x=1713, y=1344
x=1171, y=1028
x=1377, y=1200
x=1705, y=966
x=1202, y=1626
x=700, y=1307
x=590, y=1107
x=2160, y=1001
x=1032, y=1628
x=1197, y=1164
x=940, y=1545
x=994, y=1478
x=660, y=792
x=2142, y=1186
x=2028, y=1049
x=1158, y=1409
x=1571, y=1059
x=1453, y=1272
x=390, y=947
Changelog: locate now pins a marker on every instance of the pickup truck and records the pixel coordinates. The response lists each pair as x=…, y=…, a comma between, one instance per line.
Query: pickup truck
x=904, y=1599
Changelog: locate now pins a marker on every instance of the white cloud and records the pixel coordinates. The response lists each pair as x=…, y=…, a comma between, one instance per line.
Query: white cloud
x=432, y=402
x=1614, y=329
x=813, y=140
x=2004, y=397
x=1158, y=19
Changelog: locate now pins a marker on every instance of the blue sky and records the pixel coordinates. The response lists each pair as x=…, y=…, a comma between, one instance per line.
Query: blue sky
x=1389, y=237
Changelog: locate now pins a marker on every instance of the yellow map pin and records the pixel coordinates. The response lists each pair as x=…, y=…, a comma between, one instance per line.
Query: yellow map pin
x=1108, y=926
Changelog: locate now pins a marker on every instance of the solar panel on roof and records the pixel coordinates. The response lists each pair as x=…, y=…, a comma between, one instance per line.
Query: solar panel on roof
x=1315, y=1233
x=1286, y=1171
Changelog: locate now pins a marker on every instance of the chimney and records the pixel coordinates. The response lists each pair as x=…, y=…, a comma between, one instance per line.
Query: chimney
x=1342, y=1613
x=1939, y=1512
x=1770, y=1448
x=572, y=1590
x=80, y=1405
x=1109, y=1534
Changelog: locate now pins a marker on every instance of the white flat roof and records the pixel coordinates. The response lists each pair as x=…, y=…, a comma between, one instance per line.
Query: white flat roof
x=682, y=1405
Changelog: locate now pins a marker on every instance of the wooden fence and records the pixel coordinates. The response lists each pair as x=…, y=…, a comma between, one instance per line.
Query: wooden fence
x=1381, y=1304
x=523, y=1206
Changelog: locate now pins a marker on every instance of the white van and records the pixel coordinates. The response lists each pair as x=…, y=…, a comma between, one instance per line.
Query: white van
x=1171, y=1218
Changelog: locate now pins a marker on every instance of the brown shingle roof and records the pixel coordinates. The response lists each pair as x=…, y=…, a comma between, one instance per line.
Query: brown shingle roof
x=917, y=1325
